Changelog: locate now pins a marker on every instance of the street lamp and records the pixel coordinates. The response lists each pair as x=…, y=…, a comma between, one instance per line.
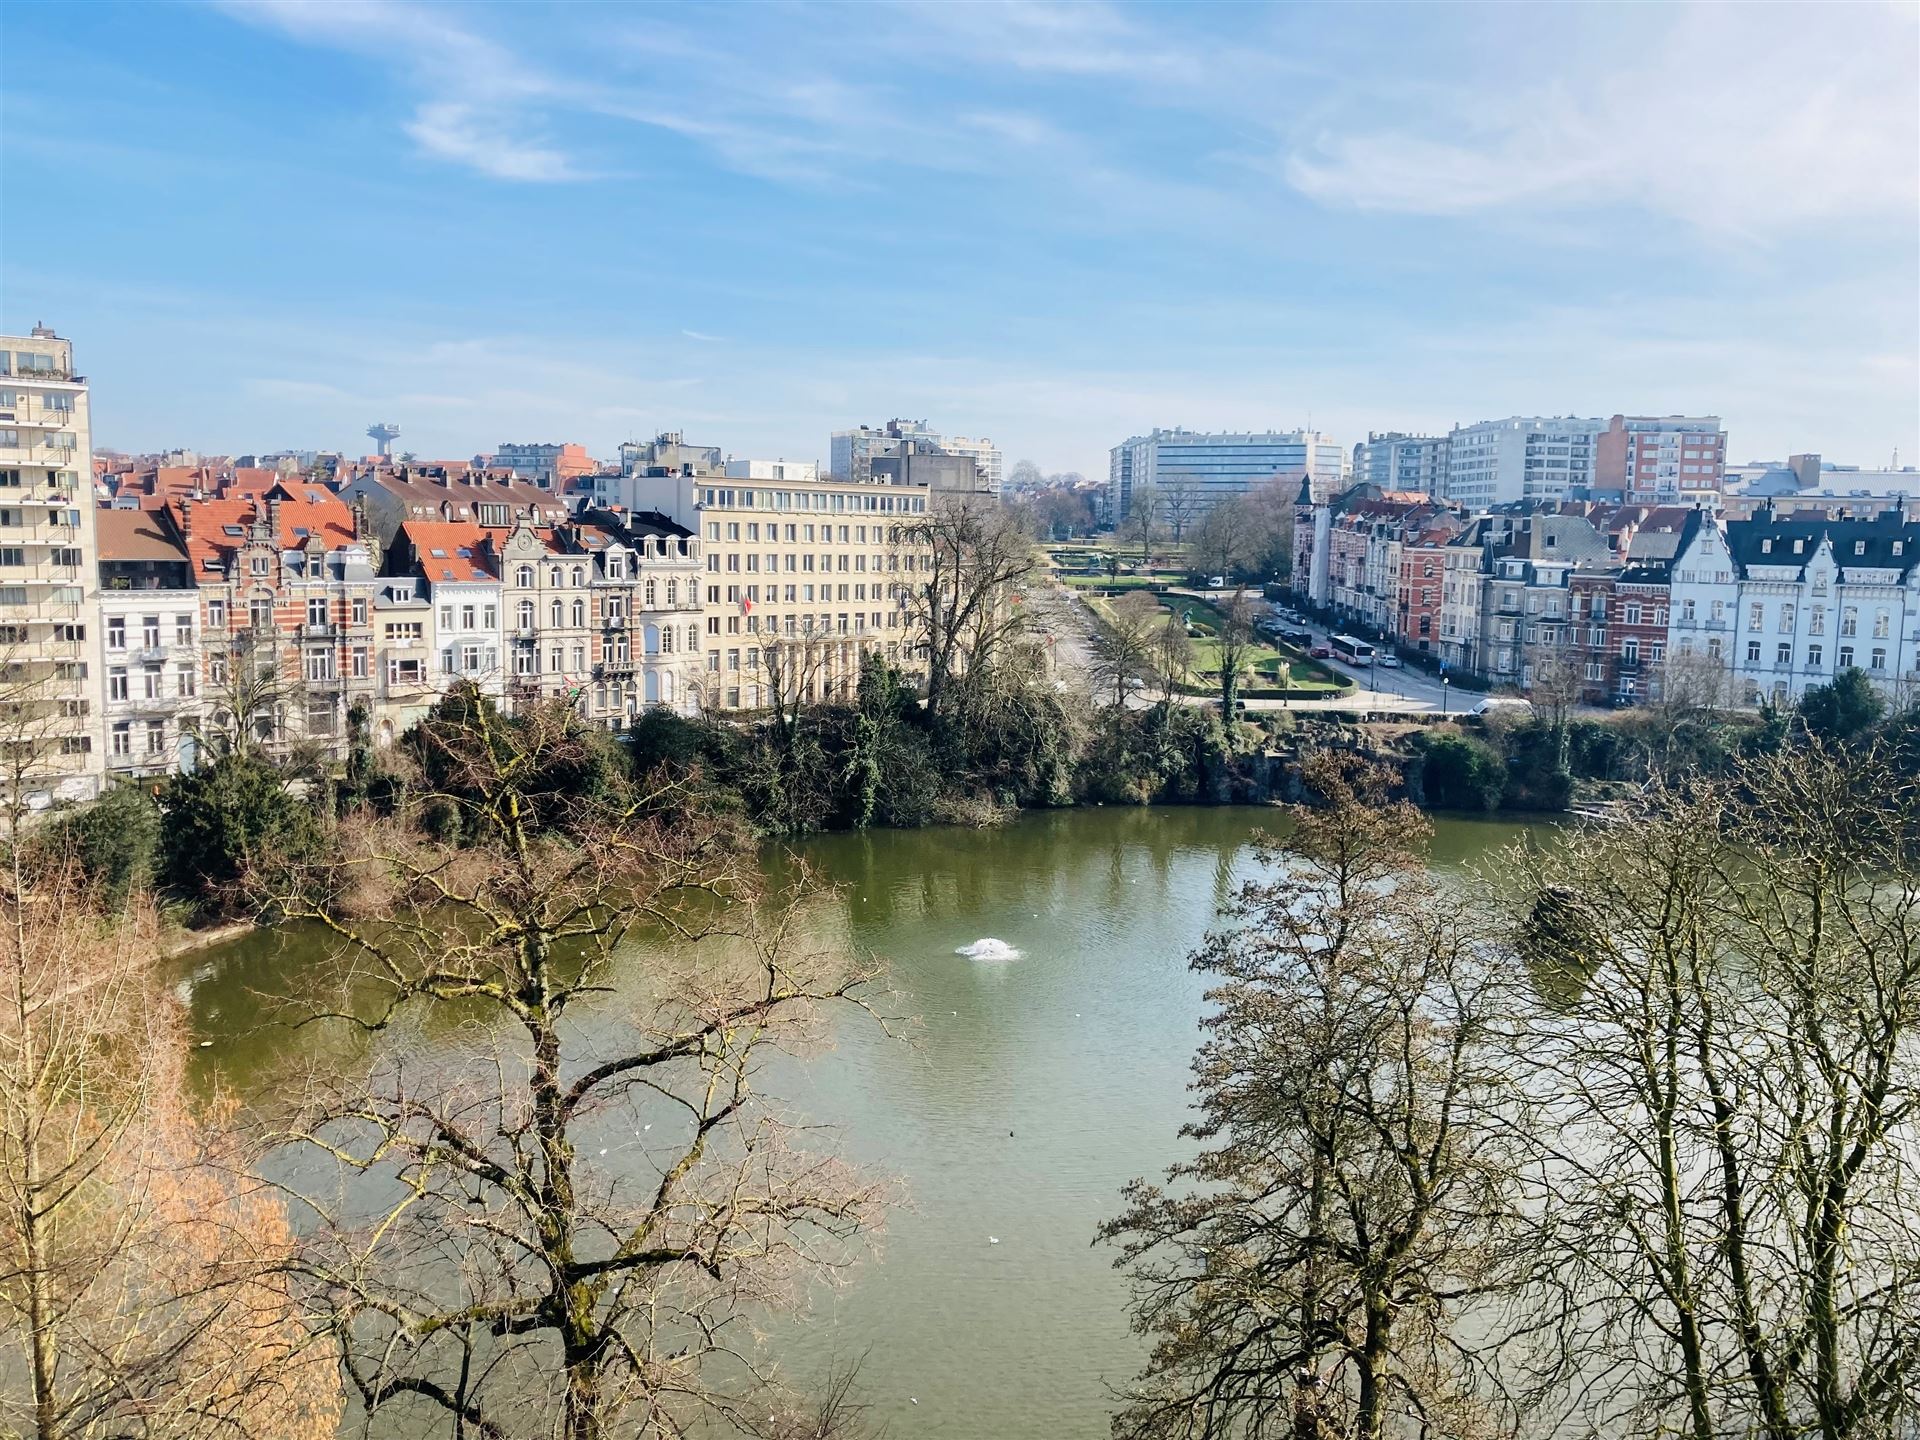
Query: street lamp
x=1443, y=692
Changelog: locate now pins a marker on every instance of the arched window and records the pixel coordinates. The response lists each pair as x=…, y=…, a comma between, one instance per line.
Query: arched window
x=579, y=576
x=650, y=638
x=524, y=577
x=693, y=637
x=556, y=610
x=579, y=614
x=526, y=614
x=553, y=577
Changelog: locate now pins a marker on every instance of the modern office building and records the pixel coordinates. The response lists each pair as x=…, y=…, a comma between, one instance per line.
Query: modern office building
x=1521, y=458
x=1205, y=469
x=1412, y=463
x=852, y=451
x=49, y=577
x=1660, y=459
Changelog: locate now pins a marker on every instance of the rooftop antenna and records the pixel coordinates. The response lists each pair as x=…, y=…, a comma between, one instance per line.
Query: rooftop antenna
x=384, y=434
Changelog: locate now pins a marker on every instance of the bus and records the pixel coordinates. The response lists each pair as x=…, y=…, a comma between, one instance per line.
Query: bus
x=1351, y=649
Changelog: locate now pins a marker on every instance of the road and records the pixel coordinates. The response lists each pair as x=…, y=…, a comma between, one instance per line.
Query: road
x=1070, y=628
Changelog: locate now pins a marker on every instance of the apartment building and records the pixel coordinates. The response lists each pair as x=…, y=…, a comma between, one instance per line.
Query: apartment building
x=799, y=580
x=1787, y=603
x=1661, y=459
x=1395, y=461
x=149, y=645
x=1521, y=459
x=549, y=466
x=407, y=679
x=645, y=613
x=286, y=589
x=851, y=453
x=49, y=576
x=458, y=574
x=1506, y=604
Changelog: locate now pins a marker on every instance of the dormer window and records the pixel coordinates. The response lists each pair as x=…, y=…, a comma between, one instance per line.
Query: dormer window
x=1897, y=546
x=1766, y=547
x=1859, y=547
x=1799, y=546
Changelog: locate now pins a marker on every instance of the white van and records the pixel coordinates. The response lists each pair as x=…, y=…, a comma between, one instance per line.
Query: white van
x=1505, y=704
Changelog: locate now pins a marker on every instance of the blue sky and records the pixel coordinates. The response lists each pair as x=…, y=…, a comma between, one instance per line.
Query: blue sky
x=269, y=225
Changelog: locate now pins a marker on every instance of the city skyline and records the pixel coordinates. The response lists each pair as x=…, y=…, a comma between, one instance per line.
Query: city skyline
x=1055, y=226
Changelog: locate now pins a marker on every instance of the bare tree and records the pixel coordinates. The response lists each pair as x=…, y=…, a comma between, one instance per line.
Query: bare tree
x=1124, y=646
x=1224, y=539
x=1172, y=654
x=975, y=561
x=1727, y=1151
x=1145, y=511
x=138, y=1266
x=513, y=1282
x=793, y=666
x=38, y=728
x=1180, y=505
x=1303, y=1273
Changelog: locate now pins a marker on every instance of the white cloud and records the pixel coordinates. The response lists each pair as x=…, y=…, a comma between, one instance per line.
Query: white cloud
x=454, y=130
x=1732, y=120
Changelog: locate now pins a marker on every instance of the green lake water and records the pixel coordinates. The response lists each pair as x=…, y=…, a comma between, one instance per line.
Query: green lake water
x=1029, y=1091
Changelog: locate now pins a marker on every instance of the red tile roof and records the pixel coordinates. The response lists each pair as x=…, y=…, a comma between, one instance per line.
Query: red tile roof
x=216, y=528
x=450, y=550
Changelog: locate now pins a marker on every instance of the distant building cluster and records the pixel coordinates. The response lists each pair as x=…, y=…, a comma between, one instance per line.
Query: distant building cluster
x=900, y=445
x=154, y=607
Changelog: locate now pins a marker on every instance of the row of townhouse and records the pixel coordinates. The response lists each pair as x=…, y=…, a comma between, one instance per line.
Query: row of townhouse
x=276, y=616
x=1619, y=603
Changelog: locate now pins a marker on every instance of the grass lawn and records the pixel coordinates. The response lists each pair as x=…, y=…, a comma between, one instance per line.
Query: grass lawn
x=1305, y=676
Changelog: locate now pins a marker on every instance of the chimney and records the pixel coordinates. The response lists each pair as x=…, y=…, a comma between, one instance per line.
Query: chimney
x=186, y=518
x=273, y=519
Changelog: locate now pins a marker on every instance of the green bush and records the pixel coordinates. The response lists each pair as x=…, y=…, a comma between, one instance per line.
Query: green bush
x=221, y=821
x=1456, y=772
x=116, y=840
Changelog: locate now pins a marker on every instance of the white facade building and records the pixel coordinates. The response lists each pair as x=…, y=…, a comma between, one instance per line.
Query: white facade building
x=1788, y=604
x=851, y=452
x=1402, y=462
x=802, y=471
x=49, y=578
x=1521, y=458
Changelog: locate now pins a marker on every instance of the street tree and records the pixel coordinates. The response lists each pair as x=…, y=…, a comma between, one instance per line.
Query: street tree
x=1303, y=1274
x=515, y=1280
x=1180, y=506
x=1124, y=647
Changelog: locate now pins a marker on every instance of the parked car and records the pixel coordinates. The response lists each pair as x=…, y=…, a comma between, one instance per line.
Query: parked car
x=1217, y=582
x=1387, y=661
x=1320, y=652
x=1505, y=704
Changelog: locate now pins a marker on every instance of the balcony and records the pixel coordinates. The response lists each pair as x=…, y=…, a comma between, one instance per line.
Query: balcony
x=325, y=630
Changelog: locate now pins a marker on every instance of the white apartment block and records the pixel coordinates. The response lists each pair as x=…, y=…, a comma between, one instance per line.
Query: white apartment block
x=795, y=471
x=1205, y=469
x=1788, y=604
x=1522, y=458
x=1409, y=463
x=49, y=580
x=149, y=648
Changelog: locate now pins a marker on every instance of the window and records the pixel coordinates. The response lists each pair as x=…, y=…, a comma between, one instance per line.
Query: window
x=1756, y=613
x=1686, y=612
x=358, y=656
x=217, y=613
x=156, y=737
x=188, y=681
x=1846, y=657
x=317, y=610
x=116, y=632
x=1753, y=652
x=1783, y=655
x=122, y=738
x=1814, y=656
x=1879, y=658
x=1786, y=619
x=319, y=665
x=183, y=629
x=525, y=614
x=466, y=617
x=359, y=610
x=261, y=565
x=523, y=577
x=116, y=684
x=1849, y=621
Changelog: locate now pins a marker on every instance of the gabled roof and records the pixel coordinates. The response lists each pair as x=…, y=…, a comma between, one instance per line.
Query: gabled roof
x=445, y=550
x=214, y=529
x=1885, y=542
x=137, y=535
